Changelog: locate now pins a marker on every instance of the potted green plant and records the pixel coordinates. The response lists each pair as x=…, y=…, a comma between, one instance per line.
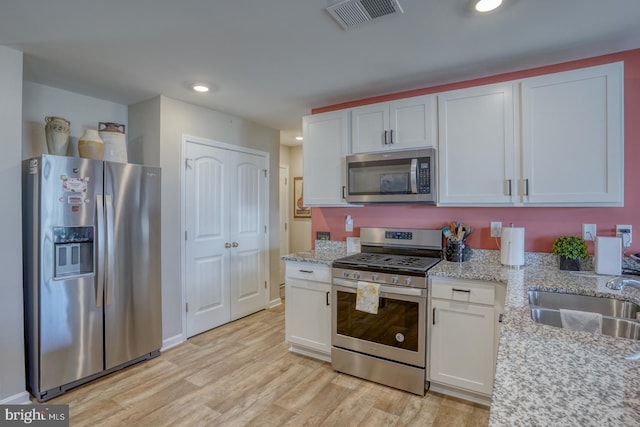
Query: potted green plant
x=572, y=250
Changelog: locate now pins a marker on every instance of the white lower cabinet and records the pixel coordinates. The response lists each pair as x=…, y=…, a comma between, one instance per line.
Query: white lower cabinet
x=464, y=332
x=308, y=310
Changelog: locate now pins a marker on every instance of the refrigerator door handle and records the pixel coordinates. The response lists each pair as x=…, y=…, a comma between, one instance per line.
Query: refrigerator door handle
x=109, y=267
x=100, y=261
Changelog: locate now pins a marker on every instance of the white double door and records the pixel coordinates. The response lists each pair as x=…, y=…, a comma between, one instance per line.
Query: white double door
x=225, y=219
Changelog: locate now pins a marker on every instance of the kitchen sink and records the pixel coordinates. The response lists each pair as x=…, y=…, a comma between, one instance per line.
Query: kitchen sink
x=618, y=316
x=611, y=326
x=606, y=306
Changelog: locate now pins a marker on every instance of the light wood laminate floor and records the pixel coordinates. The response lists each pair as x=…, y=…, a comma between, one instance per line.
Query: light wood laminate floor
x=242, y=374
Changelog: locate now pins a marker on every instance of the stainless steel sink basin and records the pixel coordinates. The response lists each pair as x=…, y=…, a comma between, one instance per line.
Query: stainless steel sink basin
x=606, y=306
x=614, y=327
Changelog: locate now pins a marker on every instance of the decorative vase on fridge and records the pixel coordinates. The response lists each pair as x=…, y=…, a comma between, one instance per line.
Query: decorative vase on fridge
x=56, y=131
x=90, y=146
x=115, y=147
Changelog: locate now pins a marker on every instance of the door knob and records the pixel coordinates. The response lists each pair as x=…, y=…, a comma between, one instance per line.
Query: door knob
x=227, y=245
x=234, y=244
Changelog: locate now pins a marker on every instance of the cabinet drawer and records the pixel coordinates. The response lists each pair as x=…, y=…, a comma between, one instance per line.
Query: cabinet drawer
x=308, y=271
x=461, y=290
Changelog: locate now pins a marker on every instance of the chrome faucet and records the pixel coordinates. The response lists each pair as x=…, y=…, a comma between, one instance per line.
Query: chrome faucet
x=617, y=283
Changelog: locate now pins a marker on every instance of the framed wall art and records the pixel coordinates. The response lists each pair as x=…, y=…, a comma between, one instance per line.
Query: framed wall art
x=299, y=209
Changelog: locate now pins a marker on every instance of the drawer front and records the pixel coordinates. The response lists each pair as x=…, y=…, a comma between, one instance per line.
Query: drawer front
x=463, y=290
x=308, y=271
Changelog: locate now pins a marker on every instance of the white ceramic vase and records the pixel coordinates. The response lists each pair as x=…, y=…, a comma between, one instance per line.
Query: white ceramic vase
x=90, y=145
x=56, y=131
x=115, y=147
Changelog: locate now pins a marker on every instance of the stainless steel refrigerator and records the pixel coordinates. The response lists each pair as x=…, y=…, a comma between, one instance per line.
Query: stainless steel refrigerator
x=91, y=269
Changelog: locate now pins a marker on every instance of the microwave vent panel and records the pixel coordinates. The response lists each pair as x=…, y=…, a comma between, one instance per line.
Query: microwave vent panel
x=351, y=13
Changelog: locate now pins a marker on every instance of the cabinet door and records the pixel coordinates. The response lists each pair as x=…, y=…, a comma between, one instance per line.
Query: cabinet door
x=413, y=122
x=324, y=151
x=462, y=350
x=476, y=147
x=368, y=126
x=572, y=137
x=308, y=314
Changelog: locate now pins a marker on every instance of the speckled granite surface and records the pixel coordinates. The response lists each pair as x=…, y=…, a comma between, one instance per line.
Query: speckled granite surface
x=325, y=252
x=548, y=376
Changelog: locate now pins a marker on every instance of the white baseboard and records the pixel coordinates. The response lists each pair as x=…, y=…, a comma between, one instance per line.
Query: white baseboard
x=275, y=302
x=172, y=342
x=461, y=394
x=21, y=398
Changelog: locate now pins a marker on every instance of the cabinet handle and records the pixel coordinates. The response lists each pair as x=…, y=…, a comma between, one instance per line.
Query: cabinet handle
x=509, y=187
x=327, y=298
x=385, y=137
x=344, y=188
x=526, y=186
x=468, y=291
x=305, y=271
x=433, y=316
x=500, y=317
x=391, y=135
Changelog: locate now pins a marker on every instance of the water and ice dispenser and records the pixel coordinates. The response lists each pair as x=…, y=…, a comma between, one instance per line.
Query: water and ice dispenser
x=73, y=251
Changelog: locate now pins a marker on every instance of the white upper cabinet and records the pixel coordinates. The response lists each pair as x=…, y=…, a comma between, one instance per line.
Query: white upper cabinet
x=476, y=146
x=324, y=152
x=552, y=140
x=572, y=137
x=403, y=124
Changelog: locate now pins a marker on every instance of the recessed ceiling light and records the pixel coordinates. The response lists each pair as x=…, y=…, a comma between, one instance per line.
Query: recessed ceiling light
x=199, y=87
x=299, y=138
x=487, y=5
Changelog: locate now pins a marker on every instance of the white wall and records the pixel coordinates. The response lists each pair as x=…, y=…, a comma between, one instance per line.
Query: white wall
x=12, y=374
x=178, y=118
x=83, y=111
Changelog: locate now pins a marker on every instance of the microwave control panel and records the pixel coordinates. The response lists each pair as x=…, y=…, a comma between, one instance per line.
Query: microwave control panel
x=424, y=177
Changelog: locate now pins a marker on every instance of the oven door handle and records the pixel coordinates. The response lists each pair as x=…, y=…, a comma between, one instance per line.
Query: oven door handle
x=391, y=290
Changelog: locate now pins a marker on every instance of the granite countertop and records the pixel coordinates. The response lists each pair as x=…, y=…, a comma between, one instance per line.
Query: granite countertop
x=548, y=376
x=325, y=253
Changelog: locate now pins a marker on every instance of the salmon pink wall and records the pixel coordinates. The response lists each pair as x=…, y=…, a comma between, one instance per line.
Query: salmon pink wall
x=542, y=225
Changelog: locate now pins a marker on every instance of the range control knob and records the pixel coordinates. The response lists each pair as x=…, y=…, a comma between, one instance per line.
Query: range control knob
x=345, y=274
x=394, y=279
x=375, y=276
x=407, y=280
x=356, y=275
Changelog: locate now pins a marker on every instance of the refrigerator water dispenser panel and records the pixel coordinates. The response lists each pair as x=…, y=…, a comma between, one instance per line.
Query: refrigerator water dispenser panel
x=73, y=251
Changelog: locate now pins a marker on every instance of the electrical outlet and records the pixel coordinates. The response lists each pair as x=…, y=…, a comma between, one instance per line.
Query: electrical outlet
x=589, y=231
x=624, y=232
x=496, y=228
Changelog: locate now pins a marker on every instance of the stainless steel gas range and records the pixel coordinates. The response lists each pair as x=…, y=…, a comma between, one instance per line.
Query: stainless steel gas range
x=389, y=346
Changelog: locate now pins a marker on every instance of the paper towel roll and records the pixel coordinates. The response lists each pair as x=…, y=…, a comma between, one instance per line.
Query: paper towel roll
x=512, y=246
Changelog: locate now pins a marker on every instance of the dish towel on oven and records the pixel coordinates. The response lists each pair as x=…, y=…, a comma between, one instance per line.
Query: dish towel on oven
x=581, y=321
x=367, y=297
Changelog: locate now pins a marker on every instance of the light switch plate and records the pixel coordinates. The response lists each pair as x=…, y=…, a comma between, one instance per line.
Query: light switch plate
x=624, y=232
x=589, y=231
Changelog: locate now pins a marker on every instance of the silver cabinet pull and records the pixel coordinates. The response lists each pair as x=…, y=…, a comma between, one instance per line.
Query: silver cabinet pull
x=305, y=271
x=344, y=189
x=509, y=187
x=500, y=317
x=526, y=186
x=466, y=291
x=391, y=136
x=385, y=137
x=327, y=298
x=433, y=316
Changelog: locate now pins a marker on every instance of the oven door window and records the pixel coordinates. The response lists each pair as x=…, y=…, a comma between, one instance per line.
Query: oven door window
x=395, y=325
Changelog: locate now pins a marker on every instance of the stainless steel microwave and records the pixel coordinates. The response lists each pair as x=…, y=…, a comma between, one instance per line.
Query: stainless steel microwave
x=392, y=177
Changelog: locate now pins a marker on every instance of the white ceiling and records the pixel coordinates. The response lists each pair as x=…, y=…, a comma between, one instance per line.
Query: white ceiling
x=274, y=60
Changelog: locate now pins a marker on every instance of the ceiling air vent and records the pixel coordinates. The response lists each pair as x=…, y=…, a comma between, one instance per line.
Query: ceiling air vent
x=350, y=13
